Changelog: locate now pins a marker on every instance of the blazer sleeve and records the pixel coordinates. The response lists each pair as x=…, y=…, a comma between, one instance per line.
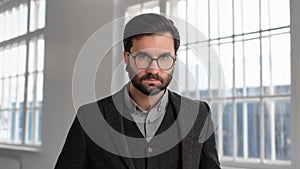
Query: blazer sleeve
x=209, y=156
x=73, y=154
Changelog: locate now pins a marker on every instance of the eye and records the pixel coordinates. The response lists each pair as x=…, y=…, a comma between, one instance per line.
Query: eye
x=165, y=57
x=143, y=57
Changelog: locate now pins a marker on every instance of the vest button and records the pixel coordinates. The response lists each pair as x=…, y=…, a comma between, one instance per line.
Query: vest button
x=150, y=150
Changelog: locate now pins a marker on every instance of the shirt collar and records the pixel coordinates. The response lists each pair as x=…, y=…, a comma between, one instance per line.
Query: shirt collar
x=155, y=112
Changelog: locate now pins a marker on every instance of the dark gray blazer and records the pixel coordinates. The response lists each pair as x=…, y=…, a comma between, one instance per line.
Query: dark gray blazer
x=101, y=123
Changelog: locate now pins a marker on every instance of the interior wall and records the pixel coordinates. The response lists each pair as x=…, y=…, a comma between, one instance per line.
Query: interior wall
x=295, y=80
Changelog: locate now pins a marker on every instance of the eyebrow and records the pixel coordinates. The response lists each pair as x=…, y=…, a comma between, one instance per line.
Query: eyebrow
x=146, y=53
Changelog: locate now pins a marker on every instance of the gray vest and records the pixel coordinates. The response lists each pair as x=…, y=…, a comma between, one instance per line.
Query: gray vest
x=170, y=159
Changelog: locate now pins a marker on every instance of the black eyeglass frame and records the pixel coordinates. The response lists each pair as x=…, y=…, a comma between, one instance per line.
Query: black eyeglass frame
x=134, y=56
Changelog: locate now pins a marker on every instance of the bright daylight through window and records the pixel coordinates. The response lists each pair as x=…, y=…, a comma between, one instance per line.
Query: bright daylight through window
x=252, y=40
x=21, y=71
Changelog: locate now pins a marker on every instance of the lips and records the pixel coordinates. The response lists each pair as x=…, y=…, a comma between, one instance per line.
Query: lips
x=150, y=78
x=152, y=81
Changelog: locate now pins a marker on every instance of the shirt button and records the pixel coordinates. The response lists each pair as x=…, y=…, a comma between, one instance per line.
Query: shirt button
x=150, y=150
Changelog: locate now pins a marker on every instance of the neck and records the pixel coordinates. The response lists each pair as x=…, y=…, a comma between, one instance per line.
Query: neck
x=146, y=102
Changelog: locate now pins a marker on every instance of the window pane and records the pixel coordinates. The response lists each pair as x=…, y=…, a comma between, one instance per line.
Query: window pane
x=13, y=60
x=282, y=127
x=23, y=22
x=13, y=92
x=239, y=68
x=38, y=126
x=29, y=126
x=182, y=9
x=240, y=130
x=265, y=14
x=6, y=93
x=266, y=66
x=191, y=13
x=20, y=127
x=202, y=17
x=41, y=13
x=14, y=26
x=253, y=117
x=2, y=27
x=250, y=15
x=238, y=17
x=33, y=16
x=32, y=56
x=1, y=63
x=214, y=18
x=21, y=61
x=40, y=57
x=277, y=129
x=227, y=130
x=20, y=97
x=39, y=90
x=182, y=71
x=201, y=65
x=4, y=126
x=30, y=92
x=281, y=65
x=226, y=58
x=252, y=67
x=6, y=62
x=280, y=13
x=225, y=18
x=193, y=71
x=214, y=71
x=1, y=94
x=248, y=127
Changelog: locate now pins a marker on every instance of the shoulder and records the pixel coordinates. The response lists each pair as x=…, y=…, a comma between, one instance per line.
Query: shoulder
x=99, y=103
x=178, y=99
x=106, y=104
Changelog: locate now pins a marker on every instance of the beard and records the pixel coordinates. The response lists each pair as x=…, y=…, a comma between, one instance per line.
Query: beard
x=150, y=89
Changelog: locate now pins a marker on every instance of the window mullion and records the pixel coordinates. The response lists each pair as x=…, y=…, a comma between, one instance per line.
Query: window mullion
x=245, y=130
x=235, y=137
x=34, y=108
x=261, y=106
x=24, y=122
x=220, y=130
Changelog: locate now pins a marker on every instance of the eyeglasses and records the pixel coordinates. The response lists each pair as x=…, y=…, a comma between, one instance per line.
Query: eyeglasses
x=144, y=60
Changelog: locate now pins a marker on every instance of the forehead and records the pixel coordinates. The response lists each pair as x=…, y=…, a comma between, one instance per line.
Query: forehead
x=161, y=42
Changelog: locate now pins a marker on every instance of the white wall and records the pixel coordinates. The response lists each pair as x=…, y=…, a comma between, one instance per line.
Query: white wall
x=295, y=70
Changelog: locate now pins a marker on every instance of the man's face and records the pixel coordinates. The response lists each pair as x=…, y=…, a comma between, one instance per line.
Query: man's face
x=151, y=80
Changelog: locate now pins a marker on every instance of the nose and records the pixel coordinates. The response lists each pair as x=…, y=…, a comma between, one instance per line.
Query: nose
x=153, y=68
x=154, y=64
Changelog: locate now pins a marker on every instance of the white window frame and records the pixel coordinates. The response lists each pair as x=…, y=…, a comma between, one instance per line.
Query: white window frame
x=34, y=35
x=240, y=162
x=262, y=163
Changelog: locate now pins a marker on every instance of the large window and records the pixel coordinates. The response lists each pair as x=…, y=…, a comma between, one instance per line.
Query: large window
x=21, y=71
x=252, y=41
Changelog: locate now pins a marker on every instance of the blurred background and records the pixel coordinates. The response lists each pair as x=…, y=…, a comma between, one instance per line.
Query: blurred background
x=256, y=42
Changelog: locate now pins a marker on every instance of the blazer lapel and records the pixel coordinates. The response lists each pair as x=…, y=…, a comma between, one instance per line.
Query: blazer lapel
x=114, y=118
x=190, y=146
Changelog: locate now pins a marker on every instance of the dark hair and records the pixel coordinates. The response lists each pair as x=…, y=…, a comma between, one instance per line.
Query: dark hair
x=149, y=24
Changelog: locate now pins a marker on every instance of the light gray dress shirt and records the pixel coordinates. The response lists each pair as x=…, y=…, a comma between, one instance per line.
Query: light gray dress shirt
x=148, y=122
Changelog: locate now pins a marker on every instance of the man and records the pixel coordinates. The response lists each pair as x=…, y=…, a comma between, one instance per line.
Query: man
x=159, y=129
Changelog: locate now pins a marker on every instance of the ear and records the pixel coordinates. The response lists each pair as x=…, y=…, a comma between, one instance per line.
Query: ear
x=126, y=60
x=125, y=57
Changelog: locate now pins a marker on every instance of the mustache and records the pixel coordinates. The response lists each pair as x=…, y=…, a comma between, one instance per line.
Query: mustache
x=151, y=76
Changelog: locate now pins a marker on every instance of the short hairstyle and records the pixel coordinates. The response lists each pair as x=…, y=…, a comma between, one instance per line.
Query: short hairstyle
x=149, y=24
